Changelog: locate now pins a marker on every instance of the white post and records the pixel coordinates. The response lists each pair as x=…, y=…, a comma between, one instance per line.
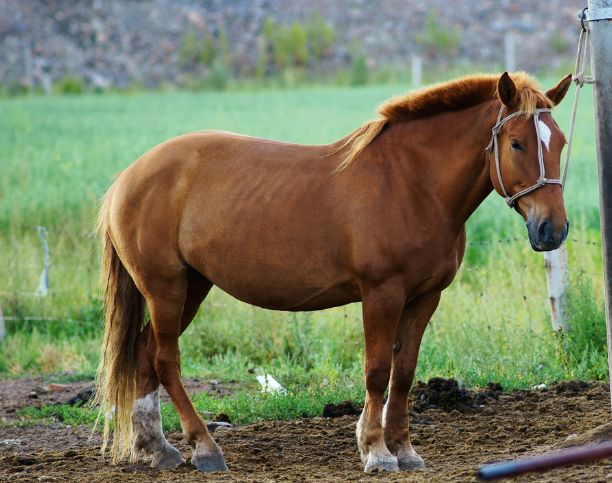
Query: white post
x=43, y=283
x=417, y=71
x=510, y=51
x=557, y=281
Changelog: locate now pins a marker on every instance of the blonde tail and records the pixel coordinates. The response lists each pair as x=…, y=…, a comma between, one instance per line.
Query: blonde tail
x=124, y=309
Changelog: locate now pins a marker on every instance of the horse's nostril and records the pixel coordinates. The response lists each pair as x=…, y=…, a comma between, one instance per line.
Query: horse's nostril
x=543, y=230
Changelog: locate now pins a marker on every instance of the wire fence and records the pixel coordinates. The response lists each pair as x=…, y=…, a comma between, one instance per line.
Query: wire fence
x=45, y=289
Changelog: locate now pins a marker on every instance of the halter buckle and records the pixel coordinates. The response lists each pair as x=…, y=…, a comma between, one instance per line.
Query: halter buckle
x=541, y=181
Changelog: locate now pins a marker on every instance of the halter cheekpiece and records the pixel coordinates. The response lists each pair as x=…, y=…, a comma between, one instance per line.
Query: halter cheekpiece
x=542, y=180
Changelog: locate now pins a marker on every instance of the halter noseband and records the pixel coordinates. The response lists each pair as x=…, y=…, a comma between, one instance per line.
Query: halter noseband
x=542, y=180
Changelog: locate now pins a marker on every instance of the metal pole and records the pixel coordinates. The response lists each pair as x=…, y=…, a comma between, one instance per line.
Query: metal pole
x=599, y=16
x=545, y=461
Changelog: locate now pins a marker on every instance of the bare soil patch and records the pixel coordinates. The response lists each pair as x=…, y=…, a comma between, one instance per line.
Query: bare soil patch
x=453, y=438
x=38, y=391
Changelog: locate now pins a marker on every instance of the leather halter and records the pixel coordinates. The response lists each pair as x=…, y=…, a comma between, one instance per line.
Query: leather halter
x=542, y=180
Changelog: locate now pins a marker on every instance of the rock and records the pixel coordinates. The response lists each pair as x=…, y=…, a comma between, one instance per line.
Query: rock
x=82, y=397
x=11, y=442
x=214, y=425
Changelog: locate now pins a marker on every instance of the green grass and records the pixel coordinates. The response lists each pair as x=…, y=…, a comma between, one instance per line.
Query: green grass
x=242, y=407
x=59, y=154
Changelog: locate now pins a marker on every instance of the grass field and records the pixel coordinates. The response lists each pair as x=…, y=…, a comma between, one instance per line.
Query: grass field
x=59, y=154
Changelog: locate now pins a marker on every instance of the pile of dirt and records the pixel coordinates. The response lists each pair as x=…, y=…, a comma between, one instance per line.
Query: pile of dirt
x=448, y=394
x=437, y=393
x=345, y=408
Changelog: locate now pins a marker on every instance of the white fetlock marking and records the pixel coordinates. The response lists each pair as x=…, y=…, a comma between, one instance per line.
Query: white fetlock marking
x=146, y=421
x=148, y=403
x=146, y=413
x=545, y=133
x=359, y=431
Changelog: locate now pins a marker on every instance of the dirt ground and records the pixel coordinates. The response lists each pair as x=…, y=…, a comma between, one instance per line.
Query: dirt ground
x=453, y=429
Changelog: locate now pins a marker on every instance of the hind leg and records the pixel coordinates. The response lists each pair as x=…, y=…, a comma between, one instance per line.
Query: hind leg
x=166, y=303
x=149, y=438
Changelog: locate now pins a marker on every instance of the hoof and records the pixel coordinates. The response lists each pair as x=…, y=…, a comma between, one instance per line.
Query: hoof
x=208, y=462
x=167, y=459
x=381, y=463
x=410, y=462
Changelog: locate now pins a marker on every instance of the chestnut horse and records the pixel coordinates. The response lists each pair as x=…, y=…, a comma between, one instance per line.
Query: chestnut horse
x=377, y=217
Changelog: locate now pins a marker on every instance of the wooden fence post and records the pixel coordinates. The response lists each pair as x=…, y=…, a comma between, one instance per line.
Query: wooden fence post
x=599, y=17
x=557, y=281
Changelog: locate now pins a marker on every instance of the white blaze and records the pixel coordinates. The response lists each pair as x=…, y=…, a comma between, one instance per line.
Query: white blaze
x=544, y=133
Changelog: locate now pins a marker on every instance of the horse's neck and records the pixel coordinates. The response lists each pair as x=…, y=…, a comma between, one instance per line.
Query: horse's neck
x=451, y=156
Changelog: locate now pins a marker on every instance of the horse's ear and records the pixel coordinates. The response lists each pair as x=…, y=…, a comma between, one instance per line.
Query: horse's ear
x=557, y=93
x=506, y=91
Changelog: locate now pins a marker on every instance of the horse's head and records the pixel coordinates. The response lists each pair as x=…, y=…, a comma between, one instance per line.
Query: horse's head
x=525, y=163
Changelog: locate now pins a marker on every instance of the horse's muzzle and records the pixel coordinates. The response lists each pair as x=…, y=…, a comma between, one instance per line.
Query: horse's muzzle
x=544, y=236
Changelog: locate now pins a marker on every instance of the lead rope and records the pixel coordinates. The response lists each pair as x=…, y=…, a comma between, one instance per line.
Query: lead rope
x=579, y=79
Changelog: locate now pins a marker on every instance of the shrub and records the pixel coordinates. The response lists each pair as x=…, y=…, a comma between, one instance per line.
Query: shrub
x=297, y=44
x=359, y=70
x=224, y=51
x=559, y=43
x=190, y=50
x=320, y=36
x=438, y=39
x=219, y=75
x=208, y=50
x=287, y=45
x=262, y=59
x=69, y=85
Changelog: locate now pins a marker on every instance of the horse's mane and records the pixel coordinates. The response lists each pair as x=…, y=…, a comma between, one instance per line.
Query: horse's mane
x=453, y=95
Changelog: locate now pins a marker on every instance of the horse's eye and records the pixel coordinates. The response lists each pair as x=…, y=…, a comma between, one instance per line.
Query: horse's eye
x=516, y=145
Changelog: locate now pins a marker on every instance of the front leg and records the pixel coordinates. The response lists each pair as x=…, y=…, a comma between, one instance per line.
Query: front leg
x=382, y=307
x=413, y=321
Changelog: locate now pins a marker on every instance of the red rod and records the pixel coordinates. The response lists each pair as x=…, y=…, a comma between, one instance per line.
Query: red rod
x=545, y=462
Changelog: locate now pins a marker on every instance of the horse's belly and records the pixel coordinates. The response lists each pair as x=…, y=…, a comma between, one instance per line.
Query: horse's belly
x=283, y=289
x=297, y=300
